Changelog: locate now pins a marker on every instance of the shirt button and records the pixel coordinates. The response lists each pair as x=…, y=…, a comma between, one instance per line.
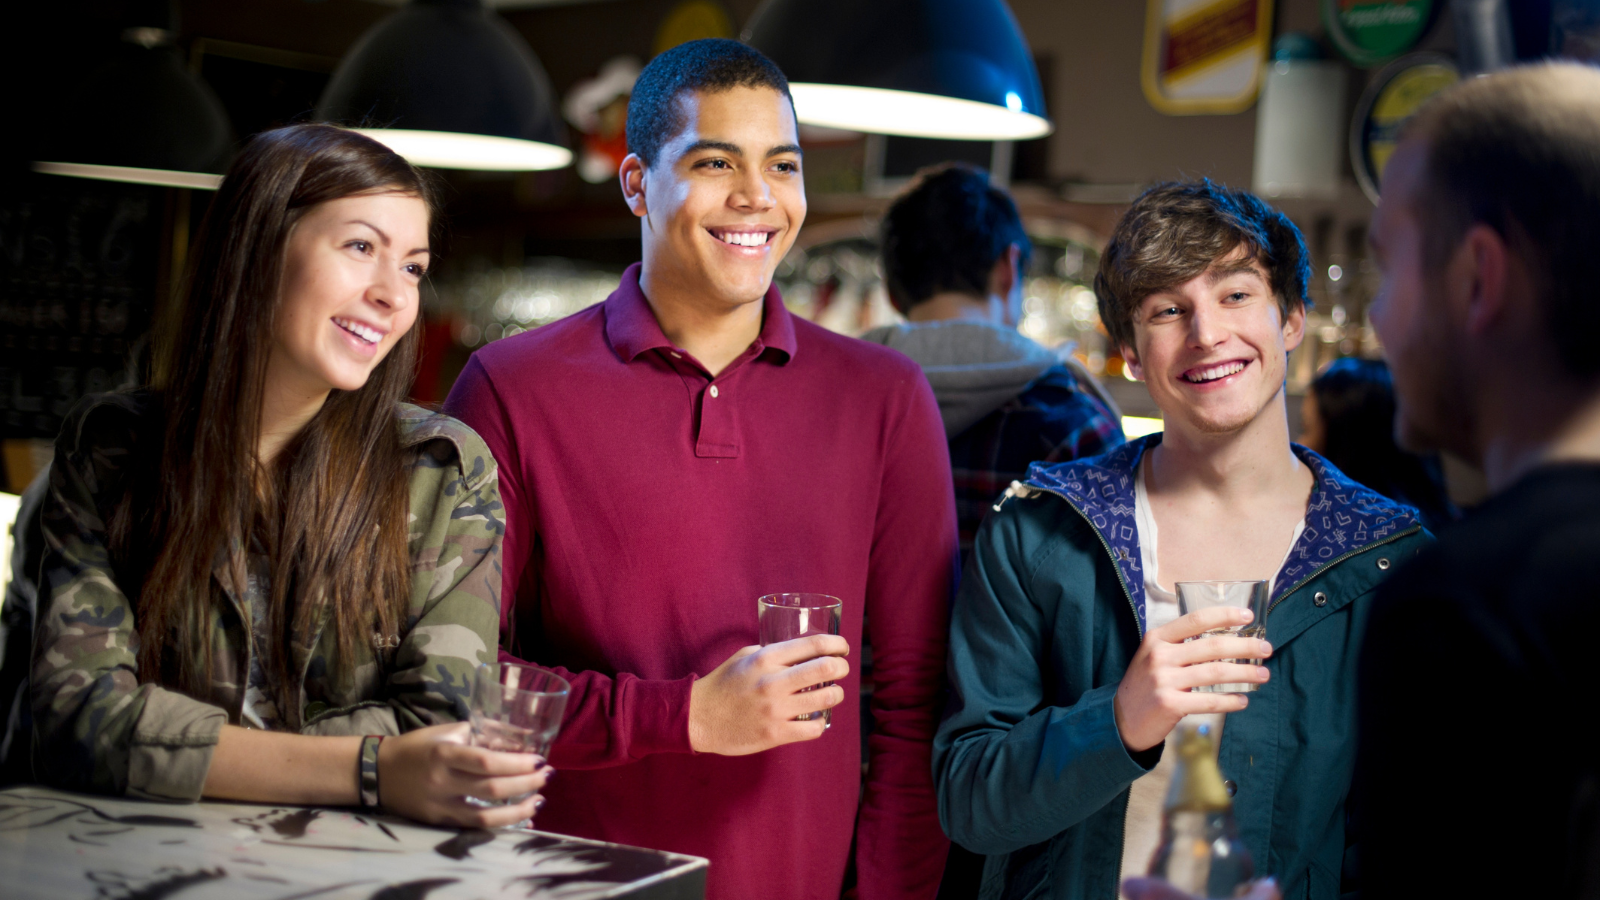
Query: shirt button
x=675, y=354
x=1383, y=564
x=1230, y=787
x=1320, y=599
x=713, y=390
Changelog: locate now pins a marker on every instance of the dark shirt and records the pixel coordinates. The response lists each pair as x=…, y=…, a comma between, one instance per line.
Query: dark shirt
x=1478, y=760
x=648, y=505
x=1056, y=419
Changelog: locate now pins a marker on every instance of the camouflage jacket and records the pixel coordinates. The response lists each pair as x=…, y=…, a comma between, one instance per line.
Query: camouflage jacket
x=97, y=728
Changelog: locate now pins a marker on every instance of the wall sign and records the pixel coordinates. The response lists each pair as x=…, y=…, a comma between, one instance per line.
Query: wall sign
x=1369, y=32
x=1204, y=56
x=1392, y=99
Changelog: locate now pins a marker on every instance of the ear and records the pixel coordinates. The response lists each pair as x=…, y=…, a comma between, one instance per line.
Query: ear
x=1294, y=327
x=1007, y=272
x=1480, y=269
x=631, y=175
x=1130, y=356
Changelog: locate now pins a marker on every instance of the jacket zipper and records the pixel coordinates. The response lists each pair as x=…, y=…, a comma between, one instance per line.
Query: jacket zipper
x=1339, y=559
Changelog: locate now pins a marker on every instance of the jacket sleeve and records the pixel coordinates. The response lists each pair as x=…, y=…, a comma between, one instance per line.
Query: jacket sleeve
x=1013, y=770
x=611, y=720
x=456, y=526
x=911, y=572
x=96, y=727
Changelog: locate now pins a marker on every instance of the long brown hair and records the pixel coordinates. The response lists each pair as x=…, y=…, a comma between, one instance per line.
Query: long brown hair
x=332, y=509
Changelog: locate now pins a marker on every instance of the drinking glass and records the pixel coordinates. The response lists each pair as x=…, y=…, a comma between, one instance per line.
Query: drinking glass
x=783, y=617
x=1251, y=595
x=516, y=708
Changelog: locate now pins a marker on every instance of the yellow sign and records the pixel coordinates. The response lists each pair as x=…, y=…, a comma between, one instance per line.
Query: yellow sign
x=692, y=20
x=1205, y=56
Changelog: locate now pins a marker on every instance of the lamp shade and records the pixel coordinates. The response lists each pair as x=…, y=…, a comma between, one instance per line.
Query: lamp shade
x=448, y=83
x=140, y=117
x=921, y=68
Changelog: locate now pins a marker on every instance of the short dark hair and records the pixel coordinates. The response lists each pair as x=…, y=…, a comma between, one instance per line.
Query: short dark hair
x=710, y=65
x=945, y=233
x=1177, y=230
x=1519, y=151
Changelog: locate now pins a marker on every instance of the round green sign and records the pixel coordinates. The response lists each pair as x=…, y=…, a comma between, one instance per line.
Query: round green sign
x=1369, y=32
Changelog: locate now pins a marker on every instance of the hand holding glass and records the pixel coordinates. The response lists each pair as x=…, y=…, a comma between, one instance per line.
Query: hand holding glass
x=517, y=709
x=1251, y=595
x=784, y=617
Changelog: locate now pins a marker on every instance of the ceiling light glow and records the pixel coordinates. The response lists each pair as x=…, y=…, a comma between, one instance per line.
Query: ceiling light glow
x=882, y=111
x=458, y=150
x=203, y=181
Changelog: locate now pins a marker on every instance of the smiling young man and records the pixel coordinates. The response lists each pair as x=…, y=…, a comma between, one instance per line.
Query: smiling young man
x=680, y=450
x=1477, y=681
x=1068, y=661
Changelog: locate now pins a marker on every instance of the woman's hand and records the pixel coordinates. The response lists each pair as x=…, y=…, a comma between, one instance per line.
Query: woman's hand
x=424, y=775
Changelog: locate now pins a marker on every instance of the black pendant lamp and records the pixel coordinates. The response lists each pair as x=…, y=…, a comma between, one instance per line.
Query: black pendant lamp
x=923, y=68
x=141, y=116
x=447, y=83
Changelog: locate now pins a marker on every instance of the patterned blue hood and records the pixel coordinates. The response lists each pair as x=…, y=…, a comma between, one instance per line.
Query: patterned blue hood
x=1342, y=517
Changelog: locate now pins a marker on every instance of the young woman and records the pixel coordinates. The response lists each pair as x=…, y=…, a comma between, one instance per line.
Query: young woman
x=263, y=565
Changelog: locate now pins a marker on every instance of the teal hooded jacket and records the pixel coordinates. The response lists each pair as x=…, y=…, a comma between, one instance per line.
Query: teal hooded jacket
x=1029, y=766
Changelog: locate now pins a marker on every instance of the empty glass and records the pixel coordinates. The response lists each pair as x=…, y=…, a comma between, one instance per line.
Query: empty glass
x=516, y=708
x=784, y=617
x=1251, y=595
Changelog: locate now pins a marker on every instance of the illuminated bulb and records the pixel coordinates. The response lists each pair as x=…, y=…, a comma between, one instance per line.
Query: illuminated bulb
x=457, y=150
x=882, y=111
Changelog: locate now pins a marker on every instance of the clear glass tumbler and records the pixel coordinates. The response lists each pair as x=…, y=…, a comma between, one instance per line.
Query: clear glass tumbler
x=1251, y=595
x=516, y=708
x=784, y=617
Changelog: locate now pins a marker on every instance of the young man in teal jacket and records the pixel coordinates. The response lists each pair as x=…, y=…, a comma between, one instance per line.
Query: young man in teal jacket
x=1068, y=661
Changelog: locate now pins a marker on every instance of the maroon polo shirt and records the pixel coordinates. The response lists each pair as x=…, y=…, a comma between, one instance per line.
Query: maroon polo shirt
x=648, y=505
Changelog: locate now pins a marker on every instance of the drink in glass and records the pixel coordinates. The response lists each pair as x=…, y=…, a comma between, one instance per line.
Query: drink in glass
x=784, y=617
x=1251, y=595
x=516, y=708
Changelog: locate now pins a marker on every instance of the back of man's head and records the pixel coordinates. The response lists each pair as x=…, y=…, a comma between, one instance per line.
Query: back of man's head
x=708, y=65
x=945, y=234
x=1519, y=151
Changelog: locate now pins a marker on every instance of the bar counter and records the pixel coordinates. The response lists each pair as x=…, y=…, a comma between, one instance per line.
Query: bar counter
x=55, y=844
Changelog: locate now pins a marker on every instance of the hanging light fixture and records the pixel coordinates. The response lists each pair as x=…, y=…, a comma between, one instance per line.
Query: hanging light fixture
x=447, y=83
x=921, y=68
x=141, y=116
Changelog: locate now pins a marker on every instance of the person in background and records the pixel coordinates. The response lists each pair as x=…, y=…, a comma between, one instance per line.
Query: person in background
x=954, y=255
x=686, y=447
x=1480, y=775
x=1069, y=664
x=260, y=567
x=1348, y=417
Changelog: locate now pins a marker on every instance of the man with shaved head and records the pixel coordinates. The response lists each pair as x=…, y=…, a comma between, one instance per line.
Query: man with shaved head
x=1478, y=755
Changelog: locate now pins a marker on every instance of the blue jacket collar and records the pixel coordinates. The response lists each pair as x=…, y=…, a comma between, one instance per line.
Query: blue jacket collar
x=1342, y=516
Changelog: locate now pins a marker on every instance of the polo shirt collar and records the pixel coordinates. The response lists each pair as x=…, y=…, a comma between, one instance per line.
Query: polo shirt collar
x=632, y=329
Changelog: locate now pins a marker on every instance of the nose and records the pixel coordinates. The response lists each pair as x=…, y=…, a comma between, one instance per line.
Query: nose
x=752, y=193
x=1205, y=327
x=391, y=289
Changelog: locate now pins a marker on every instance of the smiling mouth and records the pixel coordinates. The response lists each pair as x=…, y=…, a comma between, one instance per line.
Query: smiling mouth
x=364, y=332
x=1217, y=372
x=743, y=238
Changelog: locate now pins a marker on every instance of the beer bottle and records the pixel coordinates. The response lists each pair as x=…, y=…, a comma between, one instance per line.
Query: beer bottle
x=1200, y=851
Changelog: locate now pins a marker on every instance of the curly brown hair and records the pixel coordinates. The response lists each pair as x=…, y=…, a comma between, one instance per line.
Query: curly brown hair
x=1179, y=229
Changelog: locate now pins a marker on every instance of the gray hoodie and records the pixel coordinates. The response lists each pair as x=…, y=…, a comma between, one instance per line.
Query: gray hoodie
x=973, y=367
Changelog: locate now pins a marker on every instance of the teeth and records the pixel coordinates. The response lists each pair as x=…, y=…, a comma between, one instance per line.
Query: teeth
x=370, y=335
x=1216, y=372
x=745, y=238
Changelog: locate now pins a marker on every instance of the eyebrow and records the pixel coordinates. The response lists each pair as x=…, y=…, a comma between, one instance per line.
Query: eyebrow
x=1220, y=272
x=736, y=150
x=383, y=237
